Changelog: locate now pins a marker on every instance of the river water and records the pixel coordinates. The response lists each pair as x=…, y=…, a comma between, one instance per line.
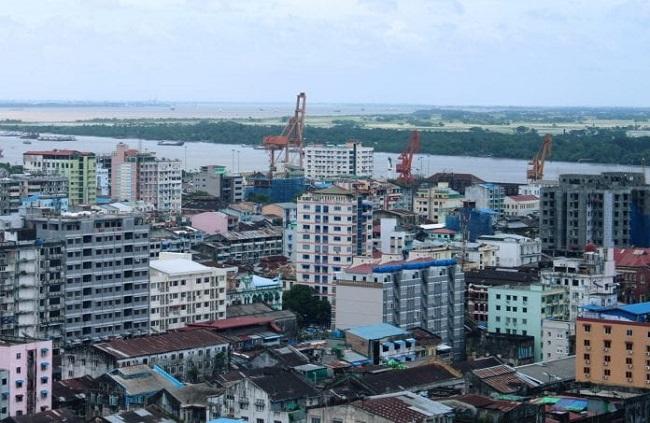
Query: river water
x=246, y=158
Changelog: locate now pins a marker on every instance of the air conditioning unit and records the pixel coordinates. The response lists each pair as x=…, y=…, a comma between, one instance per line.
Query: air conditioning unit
x=606, y=363
x=588, y=348
x=629, y=379
x=606, y=349
x=605, y=377
x=587, y=361
x=647, y=382
x=647, y=367
x=629, y=366
x=629, y=352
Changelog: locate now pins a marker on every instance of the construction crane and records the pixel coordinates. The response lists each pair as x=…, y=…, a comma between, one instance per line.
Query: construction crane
x=405, y=159
x=535, y=170
x=286, y=148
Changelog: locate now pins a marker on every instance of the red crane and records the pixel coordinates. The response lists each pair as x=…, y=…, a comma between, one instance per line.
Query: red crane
x=286, y=146
x=535, y=170
x=405, y=159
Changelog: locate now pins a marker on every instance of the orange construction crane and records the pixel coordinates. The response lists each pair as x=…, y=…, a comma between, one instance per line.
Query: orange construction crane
x=287, y=147
x=536, y=165
x=405, y=159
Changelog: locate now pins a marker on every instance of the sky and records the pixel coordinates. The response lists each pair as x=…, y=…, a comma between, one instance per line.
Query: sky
x=434, y=52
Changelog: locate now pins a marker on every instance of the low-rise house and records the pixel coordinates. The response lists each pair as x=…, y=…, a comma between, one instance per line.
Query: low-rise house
x=514, y=250
x=381, y=343
x=49, y=416
x=269, y=395
x=512, y=349
x=633, y=265
x=188, y=403
x=130, y=388
x=398, y=407
x=428, y=378
x=76, y=395
x=252, y=289
x=473, y=408
x=245, y=333
x=191, y=354
x=243, y=246
x=520, y=205
x=148, y=414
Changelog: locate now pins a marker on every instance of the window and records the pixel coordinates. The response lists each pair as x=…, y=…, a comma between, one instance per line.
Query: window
x=607, y=372
x=260, y=420
x=315, y=420
x=587, y=343
x=608, y=329
x=628, y=375
x=587, y=328
x=586, y=370
x=628, y=332
x=628, y=360
x=587, y=356
x=607, y=343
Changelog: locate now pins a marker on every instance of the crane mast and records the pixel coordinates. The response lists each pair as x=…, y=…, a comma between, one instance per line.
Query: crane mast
x=405, y=159
x=535, y=170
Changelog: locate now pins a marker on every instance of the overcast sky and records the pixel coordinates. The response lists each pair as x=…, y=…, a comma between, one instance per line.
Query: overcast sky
x=439, y=52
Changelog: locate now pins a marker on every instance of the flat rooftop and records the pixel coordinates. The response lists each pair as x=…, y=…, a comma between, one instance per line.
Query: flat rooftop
x=178, y=266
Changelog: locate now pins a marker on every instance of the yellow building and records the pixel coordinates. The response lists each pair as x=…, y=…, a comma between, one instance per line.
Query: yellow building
x=613, y=346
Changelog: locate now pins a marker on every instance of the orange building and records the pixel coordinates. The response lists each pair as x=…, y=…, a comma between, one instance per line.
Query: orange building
x=613, y=345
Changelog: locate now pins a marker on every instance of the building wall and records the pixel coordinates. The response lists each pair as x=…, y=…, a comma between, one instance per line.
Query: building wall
x=107, y=273
x=514, y=250
x=358, y=304
x=520, y=310
x=29, y=366
x=556, y=338
x=78, y=167
x=512, y=207
x=331, y=229
x=185, y=297
x=613, y=365
x=328, y=161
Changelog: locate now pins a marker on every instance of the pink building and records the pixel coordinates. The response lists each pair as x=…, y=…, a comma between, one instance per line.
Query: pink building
x=26, y=369
x=123, y=174
x=210, y=222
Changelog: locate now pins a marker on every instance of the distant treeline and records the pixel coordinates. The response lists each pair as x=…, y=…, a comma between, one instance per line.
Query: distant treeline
x=593, y=144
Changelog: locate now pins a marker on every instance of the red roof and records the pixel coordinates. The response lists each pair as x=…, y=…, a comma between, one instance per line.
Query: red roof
x=502, y=378
x=232, y=323
x=443, y=231
x=56, y=152
x=393, y=409
x=523, y=197
x=632, y=257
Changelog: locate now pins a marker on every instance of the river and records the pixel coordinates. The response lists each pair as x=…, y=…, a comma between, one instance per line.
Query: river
x=247, y=159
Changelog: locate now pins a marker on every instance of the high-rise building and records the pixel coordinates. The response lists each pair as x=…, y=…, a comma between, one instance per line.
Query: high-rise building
x=333, y=226
x=106, y=272
x=27, y=380
x=330, y=161
x=589, y=280
x=31, y=285
x=611, y=210
x=138, y=176
x=613, y=346
x=418, y=292
x=519, y=310
x=217, y=182
x=184, y=291
x=17, y=190
x=79, y=167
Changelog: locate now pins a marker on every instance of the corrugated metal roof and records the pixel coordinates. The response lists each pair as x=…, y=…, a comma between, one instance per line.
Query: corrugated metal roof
x=379, y=331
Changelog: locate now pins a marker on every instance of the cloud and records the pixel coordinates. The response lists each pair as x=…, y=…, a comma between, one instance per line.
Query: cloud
x=424, y=51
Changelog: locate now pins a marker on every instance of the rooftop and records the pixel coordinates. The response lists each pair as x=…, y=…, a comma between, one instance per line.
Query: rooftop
x=632, y=257
x=483, y=402
x=411, y=379
x=49, y=416
x=379, y=331
x=178, y=266
x=563, y=369
x=254, y=234
x=523, y=197
x=141, y=379
x=140, y=415
x=503, y=379
x=281, y=384
x=55, y=152
x=403, y=407
x=158, y=344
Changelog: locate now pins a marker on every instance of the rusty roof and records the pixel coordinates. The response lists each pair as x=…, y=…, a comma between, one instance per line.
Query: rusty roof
x=502, y=378
x=632, y=257
x=391, y=408
x=158, y=344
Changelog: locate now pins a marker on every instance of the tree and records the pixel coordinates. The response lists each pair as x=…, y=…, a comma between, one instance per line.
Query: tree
x=309, y=309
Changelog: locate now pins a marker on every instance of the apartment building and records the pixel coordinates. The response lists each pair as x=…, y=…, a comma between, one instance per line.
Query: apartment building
x=486, y=196
x=333, y=226
x=106, y=272
x=633, y=267
x=419, y=291
x=243, y=246
x=558, y=338
x=217, y=182
x=32, y=283
x=611, y=209
x=141, y=176
x=183, y=291
x=78, y=167
x=26, y=369
x=519, y=310
x=15, y=189
x=591, y=279
x=513, y=250
x=330, y=161
x=613, y=345
x=434, y=202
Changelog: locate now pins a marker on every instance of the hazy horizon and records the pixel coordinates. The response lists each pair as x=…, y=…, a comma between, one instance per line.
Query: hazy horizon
x=437, y=53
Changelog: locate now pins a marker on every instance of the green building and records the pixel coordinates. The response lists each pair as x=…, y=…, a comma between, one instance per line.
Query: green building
x=79, y=167
x=519, y=310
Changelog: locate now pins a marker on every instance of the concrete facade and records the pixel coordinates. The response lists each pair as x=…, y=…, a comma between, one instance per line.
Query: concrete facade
x=183, y=291
x=513, y=250
x=435, y=202
x=558, y=337
x=329, y=161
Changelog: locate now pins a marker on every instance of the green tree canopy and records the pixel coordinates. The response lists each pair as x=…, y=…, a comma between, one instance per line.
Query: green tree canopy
x=309, y=309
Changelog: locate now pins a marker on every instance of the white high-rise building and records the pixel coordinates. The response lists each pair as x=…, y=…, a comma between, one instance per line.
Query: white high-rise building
x=184, y=291
x=330, y=161
x=333, y=226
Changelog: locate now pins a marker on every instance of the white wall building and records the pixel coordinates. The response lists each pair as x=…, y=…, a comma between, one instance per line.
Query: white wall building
x=556, y=338
x=520, y=205
x=514, y=250
x=329, y=161
x=392, y=240
x=435, y=202
x=183, y=291
x=334, y=225
x=591, y=280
